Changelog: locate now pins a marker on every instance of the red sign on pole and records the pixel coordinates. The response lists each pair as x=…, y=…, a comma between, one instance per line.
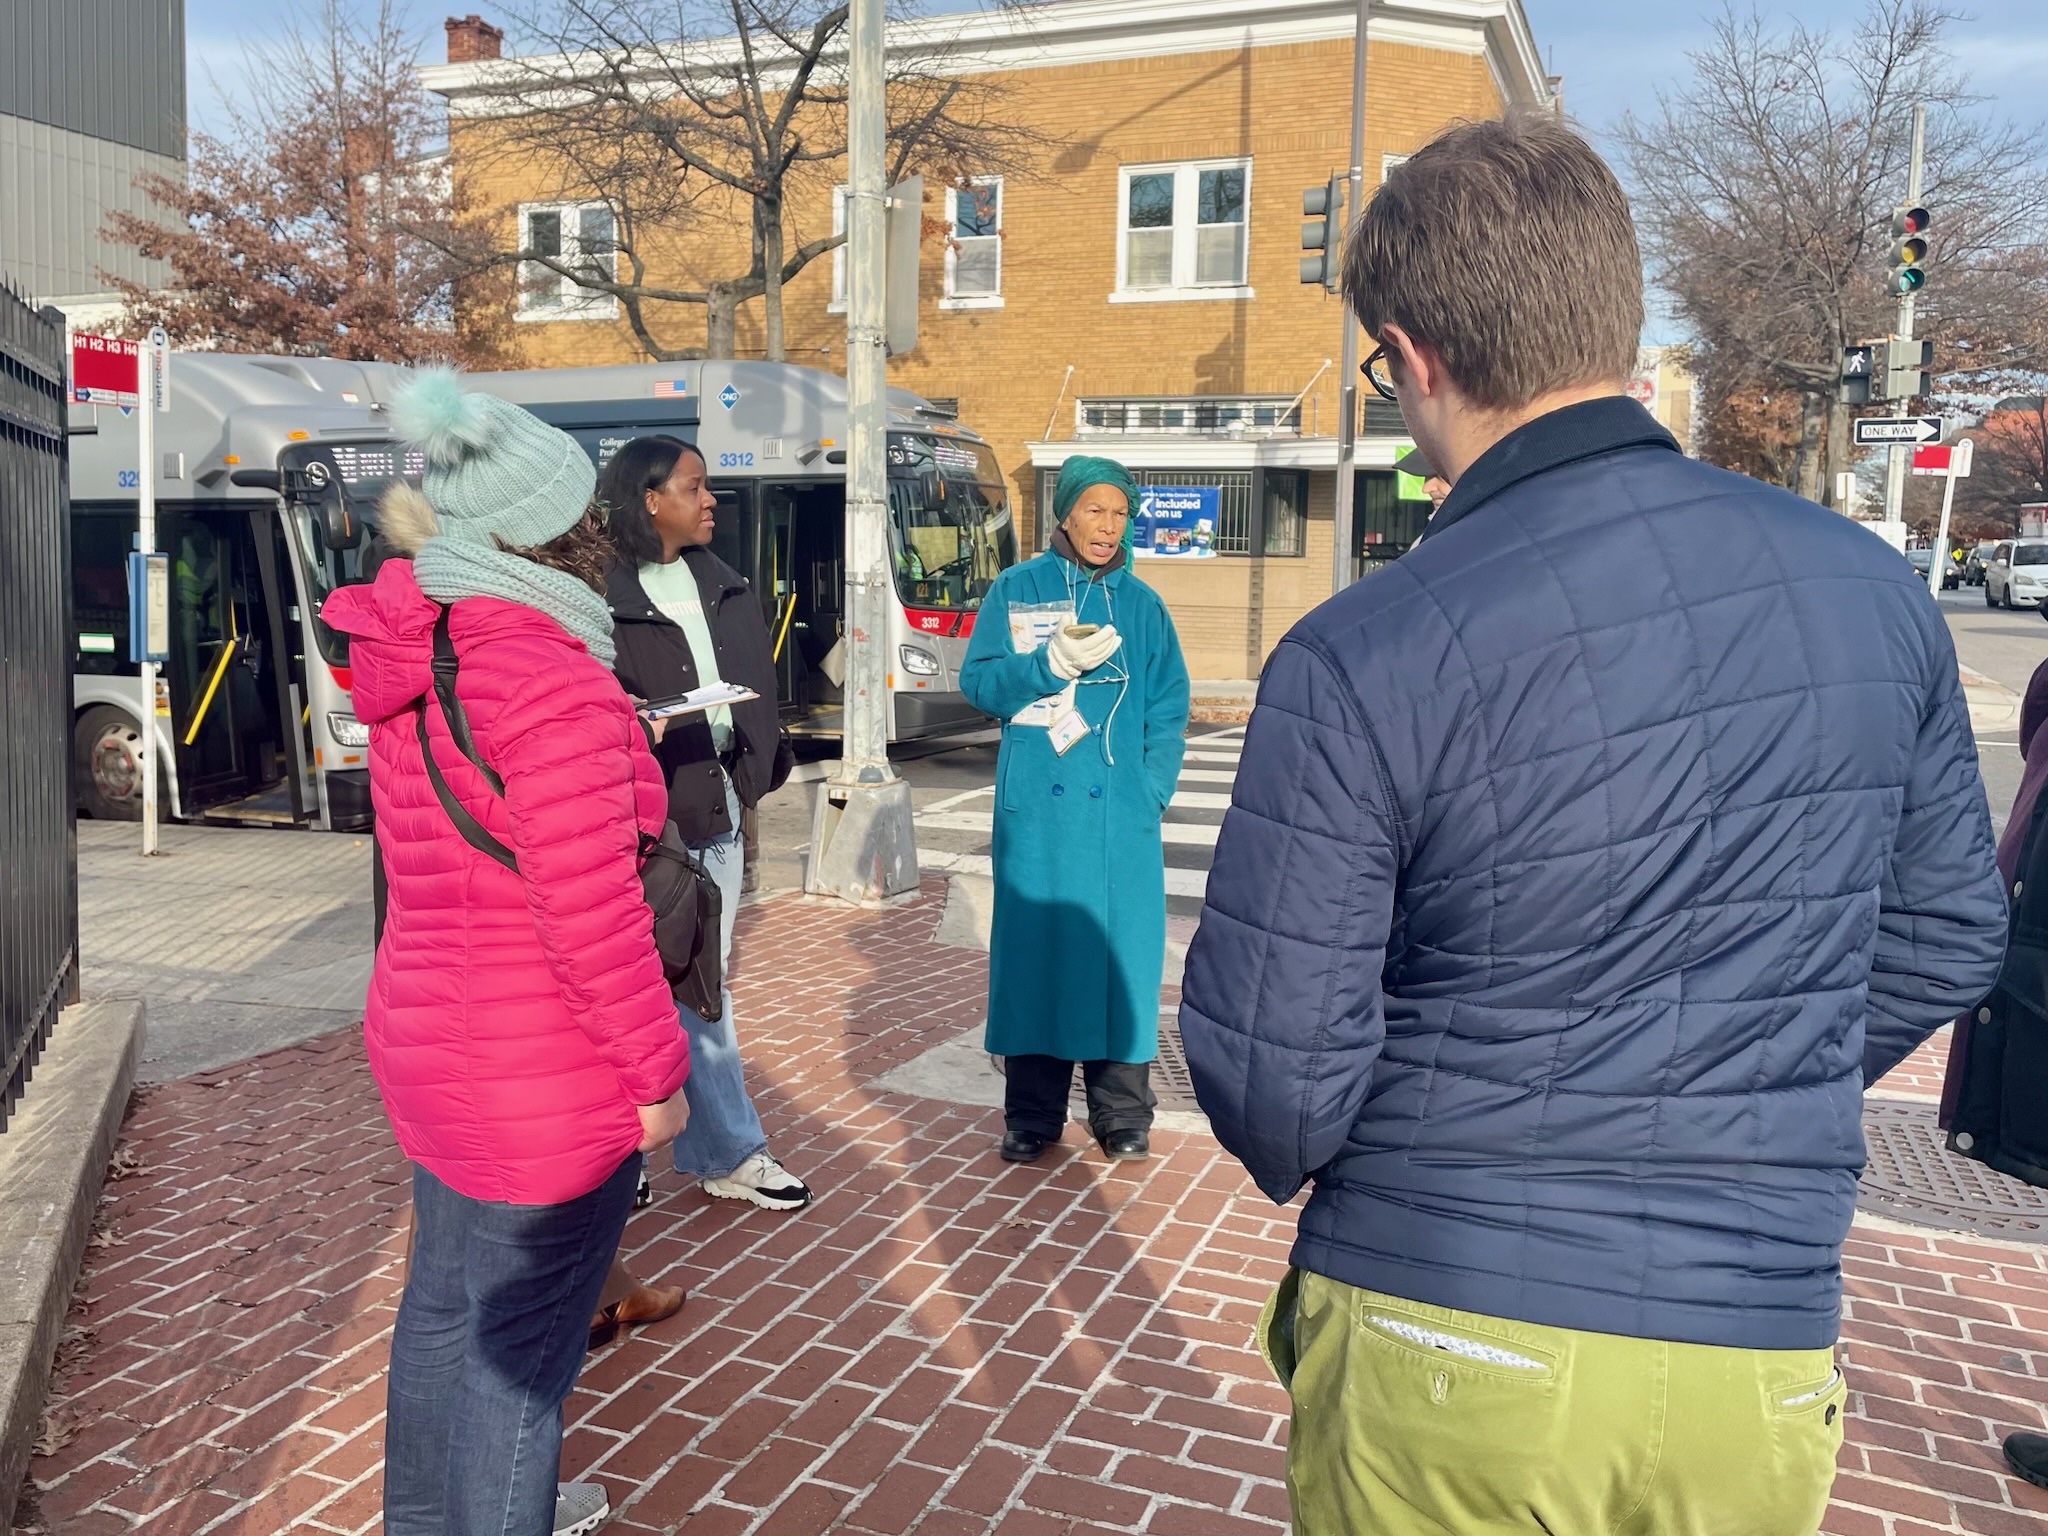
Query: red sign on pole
x=106, y=370
x=1951, y=459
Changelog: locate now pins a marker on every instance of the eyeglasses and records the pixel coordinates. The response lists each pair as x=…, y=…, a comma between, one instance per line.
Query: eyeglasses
x=1379, y=372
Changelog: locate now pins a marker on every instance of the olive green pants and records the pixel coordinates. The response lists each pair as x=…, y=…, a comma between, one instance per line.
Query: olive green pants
x=1413, y=1419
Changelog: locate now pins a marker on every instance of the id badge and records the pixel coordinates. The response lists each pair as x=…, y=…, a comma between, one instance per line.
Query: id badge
x=1066, y=730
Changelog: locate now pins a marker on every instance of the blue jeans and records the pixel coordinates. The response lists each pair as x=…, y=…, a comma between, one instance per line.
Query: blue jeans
x=724, y=1131
x=490, y=1335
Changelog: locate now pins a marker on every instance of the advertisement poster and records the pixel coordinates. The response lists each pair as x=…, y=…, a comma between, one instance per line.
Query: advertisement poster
x=1177, y=521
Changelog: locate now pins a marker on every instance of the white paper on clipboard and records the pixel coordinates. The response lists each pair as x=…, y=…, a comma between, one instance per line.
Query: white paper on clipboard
x=1032, y=625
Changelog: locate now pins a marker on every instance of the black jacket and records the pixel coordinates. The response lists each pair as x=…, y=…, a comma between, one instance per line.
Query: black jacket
x=654, y=662
x=1998, y=1075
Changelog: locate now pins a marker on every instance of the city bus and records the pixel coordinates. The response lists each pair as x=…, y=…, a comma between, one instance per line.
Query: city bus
x=773, y=436
x=268, y=470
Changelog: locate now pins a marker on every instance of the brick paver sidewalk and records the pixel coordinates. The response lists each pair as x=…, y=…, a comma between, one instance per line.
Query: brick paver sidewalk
x=942, y=1344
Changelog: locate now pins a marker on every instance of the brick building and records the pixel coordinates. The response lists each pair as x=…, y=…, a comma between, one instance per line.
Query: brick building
x=1136, y=291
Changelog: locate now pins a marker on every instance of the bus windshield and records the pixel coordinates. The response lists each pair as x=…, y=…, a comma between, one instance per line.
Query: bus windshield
x=949, y=520
x=360, y=473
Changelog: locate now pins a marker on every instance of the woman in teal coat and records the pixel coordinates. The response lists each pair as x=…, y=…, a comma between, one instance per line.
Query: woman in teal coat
x=1079, y=660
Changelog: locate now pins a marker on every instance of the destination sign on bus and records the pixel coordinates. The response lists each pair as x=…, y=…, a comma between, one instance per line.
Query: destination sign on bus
x=365, y=463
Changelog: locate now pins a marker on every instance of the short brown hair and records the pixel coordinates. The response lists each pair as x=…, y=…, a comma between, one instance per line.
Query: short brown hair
x=1508, y=247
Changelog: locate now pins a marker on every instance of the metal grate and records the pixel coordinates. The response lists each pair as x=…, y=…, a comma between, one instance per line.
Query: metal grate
x=1912, y=1176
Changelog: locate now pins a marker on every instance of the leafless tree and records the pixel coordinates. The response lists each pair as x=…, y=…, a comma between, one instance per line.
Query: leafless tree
x=324, y=220
x=1765, y=187
x=706, y=113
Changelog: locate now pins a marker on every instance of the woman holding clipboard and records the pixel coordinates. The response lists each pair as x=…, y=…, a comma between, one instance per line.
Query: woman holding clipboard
x=684, y=619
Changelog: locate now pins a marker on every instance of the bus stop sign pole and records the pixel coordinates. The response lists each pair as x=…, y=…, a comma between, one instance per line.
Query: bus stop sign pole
x=863, y=848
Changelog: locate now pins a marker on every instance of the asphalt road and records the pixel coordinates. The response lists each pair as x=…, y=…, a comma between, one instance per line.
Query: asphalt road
x=2005, y=646
x=2002, y=645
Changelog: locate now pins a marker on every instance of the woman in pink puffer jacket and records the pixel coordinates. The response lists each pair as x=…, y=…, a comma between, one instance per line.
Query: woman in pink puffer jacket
x=518, y=1023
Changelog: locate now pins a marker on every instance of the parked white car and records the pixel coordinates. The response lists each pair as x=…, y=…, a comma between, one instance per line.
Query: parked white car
x=2016, y=575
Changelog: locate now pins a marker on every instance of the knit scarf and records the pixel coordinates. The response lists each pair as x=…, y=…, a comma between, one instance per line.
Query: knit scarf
x=447, y=569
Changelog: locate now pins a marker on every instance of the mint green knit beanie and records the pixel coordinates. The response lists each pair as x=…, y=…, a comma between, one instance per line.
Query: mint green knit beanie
x=495, y=473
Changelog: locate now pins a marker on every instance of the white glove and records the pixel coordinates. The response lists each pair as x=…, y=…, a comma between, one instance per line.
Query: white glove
x=1069, y=657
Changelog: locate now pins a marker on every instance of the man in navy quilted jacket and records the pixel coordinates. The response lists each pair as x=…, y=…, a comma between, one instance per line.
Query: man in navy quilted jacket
x=1584, y=865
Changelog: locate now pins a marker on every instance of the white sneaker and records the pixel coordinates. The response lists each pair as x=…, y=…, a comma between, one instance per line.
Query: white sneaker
x=580, y=1508
x=764, y=1181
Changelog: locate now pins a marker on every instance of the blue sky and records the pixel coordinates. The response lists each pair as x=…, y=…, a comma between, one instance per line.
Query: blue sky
x=1613, y=53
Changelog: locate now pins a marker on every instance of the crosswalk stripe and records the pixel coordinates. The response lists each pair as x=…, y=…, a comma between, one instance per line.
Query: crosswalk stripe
x=1188, y=834
x=1208, y=775
x=1199, y=800
x=1187, y=882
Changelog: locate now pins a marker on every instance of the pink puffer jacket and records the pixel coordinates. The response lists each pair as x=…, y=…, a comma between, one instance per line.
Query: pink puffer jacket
x=514, y=1020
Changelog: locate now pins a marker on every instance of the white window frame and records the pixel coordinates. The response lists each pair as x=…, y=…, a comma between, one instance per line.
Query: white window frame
x=953, y=300
x=836, y=304
x=576, y=303
x=1387, y=163
x=1186, y=191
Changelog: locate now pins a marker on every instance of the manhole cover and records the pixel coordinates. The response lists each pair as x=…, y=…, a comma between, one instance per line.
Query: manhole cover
x=1912, y=1176
x=1170, y=1081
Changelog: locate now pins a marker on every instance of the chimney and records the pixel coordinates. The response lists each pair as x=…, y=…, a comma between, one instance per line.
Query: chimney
x=471, y=38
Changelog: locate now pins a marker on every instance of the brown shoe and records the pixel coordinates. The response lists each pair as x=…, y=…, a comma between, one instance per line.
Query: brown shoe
x=642, y=1305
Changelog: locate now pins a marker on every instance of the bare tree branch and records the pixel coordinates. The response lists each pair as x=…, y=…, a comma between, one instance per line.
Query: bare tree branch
x=689, y=113
x=1764, y=188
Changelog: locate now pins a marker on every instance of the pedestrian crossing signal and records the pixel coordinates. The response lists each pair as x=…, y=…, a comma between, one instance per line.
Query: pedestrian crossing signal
x=1909, y=250
x=1858, y=364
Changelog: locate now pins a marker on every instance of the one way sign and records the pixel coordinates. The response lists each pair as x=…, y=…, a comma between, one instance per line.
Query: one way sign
x=1872, y=430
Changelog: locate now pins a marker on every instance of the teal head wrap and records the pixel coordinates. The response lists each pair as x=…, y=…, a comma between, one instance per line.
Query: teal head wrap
x=1084, y=470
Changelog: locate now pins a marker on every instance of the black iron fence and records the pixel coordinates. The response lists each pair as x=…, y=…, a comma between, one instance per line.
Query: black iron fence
x=38, y=837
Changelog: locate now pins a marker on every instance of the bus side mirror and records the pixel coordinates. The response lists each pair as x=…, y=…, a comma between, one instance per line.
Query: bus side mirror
x=340, y=530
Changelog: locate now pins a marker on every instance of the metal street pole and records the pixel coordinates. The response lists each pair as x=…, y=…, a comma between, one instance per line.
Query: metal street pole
x=1901, y=454
x=145, y=480
x=1939, y=564
x=1342, y=561
x=863, y=847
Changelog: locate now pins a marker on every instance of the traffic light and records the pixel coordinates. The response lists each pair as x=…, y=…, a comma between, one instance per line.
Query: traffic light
x=1322, y=228
x=1859, y=363
x=1909, y=369
x=1909, y=250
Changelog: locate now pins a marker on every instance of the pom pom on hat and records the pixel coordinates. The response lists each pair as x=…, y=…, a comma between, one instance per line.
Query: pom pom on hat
x=497, y=476
x=448, y=422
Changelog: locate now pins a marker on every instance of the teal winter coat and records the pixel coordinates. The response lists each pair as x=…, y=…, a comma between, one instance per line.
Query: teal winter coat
x=1079, y=930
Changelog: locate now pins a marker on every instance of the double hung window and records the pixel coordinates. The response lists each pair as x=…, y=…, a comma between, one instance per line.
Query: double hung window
x=974, y=251
x=576, y=235
x=1184, y=230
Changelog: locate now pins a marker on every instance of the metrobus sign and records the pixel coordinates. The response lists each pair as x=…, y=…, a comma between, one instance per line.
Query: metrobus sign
x=105, y=370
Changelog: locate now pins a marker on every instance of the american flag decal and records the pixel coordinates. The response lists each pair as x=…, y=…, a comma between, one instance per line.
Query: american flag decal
x=669, y=389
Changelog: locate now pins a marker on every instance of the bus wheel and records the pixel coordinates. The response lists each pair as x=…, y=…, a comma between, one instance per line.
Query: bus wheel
x=107, y=764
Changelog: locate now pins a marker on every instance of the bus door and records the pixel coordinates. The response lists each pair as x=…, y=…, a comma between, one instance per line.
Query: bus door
x=807, y=521
x=224, y=720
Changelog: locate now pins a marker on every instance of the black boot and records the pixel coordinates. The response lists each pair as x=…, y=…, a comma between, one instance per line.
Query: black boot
x=2028, y=1455
x=1126, y=1146
x=1024, y=1147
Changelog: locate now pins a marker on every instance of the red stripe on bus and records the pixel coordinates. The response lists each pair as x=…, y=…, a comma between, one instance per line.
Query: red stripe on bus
x=940, y=621
x=342, y=677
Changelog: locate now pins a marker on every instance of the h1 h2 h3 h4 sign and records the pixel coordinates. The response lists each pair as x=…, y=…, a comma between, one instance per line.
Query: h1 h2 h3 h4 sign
x=1882, y=431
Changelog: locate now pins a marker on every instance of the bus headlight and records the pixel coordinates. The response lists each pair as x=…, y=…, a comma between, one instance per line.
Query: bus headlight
x=919, y=660
x=347, y=730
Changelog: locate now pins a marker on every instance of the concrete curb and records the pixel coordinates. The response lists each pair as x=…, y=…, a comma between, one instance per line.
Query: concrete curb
x=1993, y=706
x=53, y=1161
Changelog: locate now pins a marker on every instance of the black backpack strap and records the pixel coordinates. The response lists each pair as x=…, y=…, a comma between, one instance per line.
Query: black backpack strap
x=472, y=830
x=445, y=667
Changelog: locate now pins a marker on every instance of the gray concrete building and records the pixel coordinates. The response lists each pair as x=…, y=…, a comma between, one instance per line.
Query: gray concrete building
x=91, y=93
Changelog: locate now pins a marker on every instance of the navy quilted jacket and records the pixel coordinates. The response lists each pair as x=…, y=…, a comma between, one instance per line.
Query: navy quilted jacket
x=1581, y=869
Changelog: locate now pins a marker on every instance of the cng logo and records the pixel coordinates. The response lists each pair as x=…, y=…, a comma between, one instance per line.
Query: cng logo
x=729, y=397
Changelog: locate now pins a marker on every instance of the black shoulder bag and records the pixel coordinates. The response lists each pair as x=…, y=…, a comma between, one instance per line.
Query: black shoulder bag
x=679, y=891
